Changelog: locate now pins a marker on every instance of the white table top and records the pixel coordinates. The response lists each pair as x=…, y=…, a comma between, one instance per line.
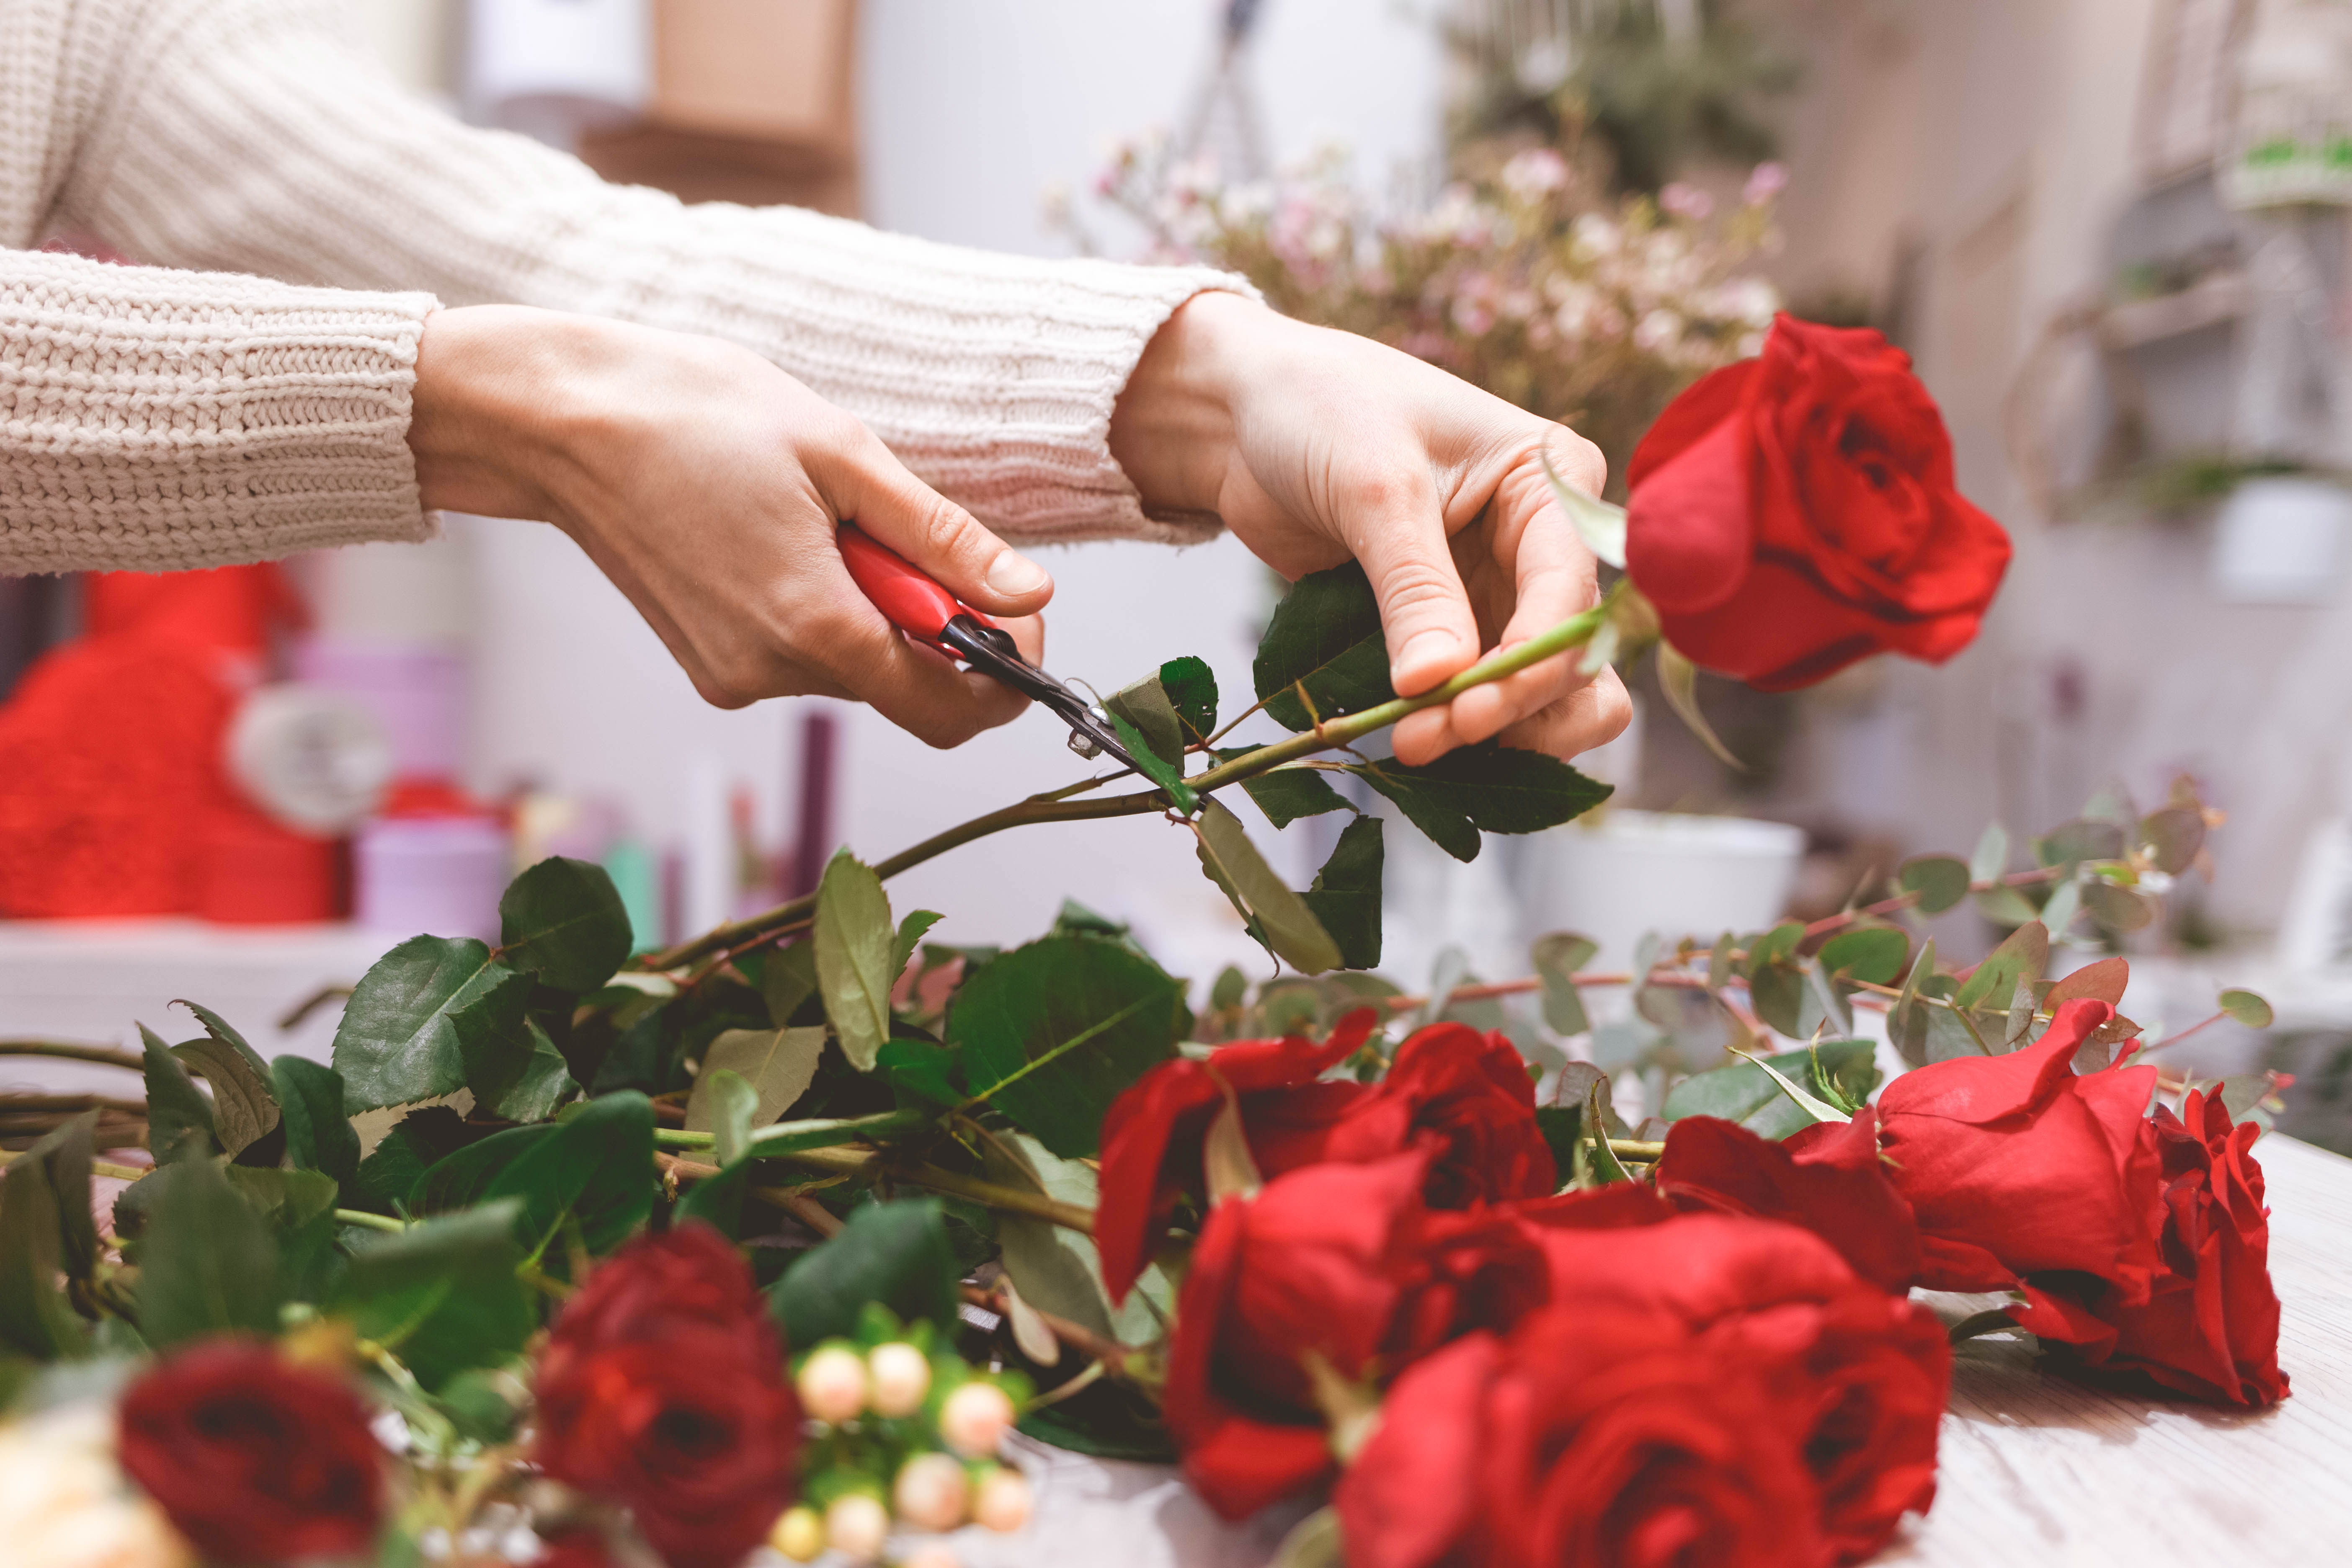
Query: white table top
x=2034, y=1468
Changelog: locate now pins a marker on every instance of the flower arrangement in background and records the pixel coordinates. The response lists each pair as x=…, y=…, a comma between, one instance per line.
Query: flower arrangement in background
x=1521, y=275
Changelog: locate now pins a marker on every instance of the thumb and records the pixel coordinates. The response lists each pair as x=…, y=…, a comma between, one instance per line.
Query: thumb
x=1424, y=612
x=872, y=489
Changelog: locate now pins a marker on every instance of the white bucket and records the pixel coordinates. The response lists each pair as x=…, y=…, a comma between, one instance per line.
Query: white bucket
x=1635, y=873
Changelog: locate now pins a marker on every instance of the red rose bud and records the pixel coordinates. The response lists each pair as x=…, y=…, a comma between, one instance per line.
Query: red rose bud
x=2210, y=1326
x=2015, y=1165
x=1336, y=1261
x=1794, y=512
x=255, y=1460
x=1826, y=1178
x=1470, y=1091
x=663, y=1389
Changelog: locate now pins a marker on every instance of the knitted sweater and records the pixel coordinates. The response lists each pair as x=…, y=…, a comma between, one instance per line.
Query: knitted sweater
x=257, y=403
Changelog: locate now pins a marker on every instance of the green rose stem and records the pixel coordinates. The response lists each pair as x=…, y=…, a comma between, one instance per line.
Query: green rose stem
x=1329, y=735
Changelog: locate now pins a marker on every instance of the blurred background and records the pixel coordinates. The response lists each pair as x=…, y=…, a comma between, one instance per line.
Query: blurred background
x=2111, y=233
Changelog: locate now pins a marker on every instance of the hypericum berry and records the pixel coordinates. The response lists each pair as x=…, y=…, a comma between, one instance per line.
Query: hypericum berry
x=1001, y=1501
x=856, y=1526
x=832, y=1385
x=798, y=1534
x=975, y=1418
x=902, y=1378
x=931, y=1554
x=931, y=1492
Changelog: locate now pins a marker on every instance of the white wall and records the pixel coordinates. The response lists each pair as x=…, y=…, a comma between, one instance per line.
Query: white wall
x=968, y=112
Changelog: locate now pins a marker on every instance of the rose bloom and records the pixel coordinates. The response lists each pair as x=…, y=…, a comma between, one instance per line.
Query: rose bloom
x=63, y=1503
x=1826, y=1178
x=2016, y=1164
x=1859, y=1375
x=1337, y=1262
x=2210, y=1327
x=1470, y=1091
x=1793, y=514
x=663, y=1388
x=1608, y=1438
x=255, y=1460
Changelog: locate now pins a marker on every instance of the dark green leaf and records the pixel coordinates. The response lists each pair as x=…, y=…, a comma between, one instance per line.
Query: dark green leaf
x=729, y=1101
x=1940, y=880
x=1290, y=927
x=1874, y=956
x=2249, y=1008
x=1326, y=634
x=1285, y=795
x=598, y=1167
x=893, y=1252
x=1345, y=896
x=1599, y=1159
x=718, y=1201
x=218, y=1028
x=854, y=940
x=921, y=1072
x=778, y=1064
x=244, y=1110
x=1073, y=919
x=1839, y=1072
x=415, y=1143
x=179, y=1115
x=299, y=1208
x=1148, y=711
x=1107, y=1421
x=404, y=1034
x=206, y=1264
x=1192, y=689
x=563, y=921
x=1906, y=1019
x=538, y=1083
x=1775, y=945
x=44, y=1231
x=317, y=1136
x=1557, y=958
x=1502, y=789
x=1077, y=1019
x=910, y=932
x=459, y=1180
x=1562, y=1126
x=1442, y=824
x=1777, y=993
x=443, y=1296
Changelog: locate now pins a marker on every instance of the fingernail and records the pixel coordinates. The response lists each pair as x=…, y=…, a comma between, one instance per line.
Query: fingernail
x=1013, y=576
x=1431, y=646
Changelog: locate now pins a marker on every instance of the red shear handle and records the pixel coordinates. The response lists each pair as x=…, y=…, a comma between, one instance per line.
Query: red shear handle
x=898, y=588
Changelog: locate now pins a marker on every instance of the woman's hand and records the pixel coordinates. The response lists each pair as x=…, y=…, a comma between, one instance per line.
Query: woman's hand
x=1317, y=445
x=708, y=485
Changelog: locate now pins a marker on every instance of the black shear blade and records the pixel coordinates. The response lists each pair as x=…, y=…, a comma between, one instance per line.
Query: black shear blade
x=990, y=650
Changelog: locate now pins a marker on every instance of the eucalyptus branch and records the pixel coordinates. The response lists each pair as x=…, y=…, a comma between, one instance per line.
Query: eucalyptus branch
x=1328, y=734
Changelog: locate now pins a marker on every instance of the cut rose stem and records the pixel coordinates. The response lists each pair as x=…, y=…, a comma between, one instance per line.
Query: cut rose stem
x=1329, y=735
x=1085, y=1342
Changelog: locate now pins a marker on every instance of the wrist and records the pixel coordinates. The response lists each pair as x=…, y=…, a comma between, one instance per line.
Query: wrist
x=1173, y=428
x=495, y=395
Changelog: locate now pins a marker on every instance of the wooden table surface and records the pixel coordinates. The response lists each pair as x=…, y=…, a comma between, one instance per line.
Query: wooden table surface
x=2038, y=1472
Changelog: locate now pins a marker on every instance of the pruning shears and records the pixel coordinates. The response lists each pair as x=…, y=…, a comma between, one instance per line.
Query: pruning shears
x=922, y=608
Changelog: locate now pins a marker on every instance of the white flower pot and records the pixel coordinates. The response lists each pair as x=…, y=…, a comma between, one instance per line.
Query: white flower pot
x=1635, y=873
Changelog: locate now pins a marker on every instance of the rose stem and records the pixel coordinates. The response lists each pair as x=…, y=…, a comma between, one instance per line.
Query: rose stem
x=844, y=1163
x=1326, y=736
x=107, y=1055
x=1085, y=1342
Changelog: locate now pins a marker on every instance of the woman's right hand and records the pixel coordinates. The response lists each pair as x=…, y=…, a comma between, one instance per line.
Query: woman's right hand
x=709, y=486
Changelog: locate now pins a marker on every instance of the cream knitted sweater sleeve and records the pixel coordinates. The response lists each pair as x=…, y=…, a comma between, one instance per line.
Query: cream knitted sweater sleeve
x=159, y=419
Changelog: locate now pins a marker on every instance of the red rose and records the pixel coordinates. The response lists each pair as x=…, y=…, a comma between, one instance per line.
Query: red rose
x=663, y=1389
x=1794, y=512
x=1859, y=1375
x=1470, y=1090
x=1601, y=1438
x=1826, y=1178
x=1339, y=1261
x=255, y=1460
x=2015, y=1165
x=2210, y=1326
x=575, y=1549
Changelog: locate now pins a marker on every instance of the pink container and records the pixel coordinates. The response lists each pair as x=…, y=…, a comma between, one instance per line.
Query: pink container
x=440, y=876
x=417, y=693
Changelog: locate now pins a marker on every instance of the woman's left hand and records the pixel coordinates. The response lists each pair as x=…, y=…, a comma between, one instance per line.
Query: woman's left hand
x=1317, y=445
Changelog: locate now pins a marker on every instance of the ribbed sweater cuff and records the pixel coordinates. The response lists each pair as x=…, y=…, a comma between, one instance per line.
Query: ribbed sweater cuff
x=159, y=420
